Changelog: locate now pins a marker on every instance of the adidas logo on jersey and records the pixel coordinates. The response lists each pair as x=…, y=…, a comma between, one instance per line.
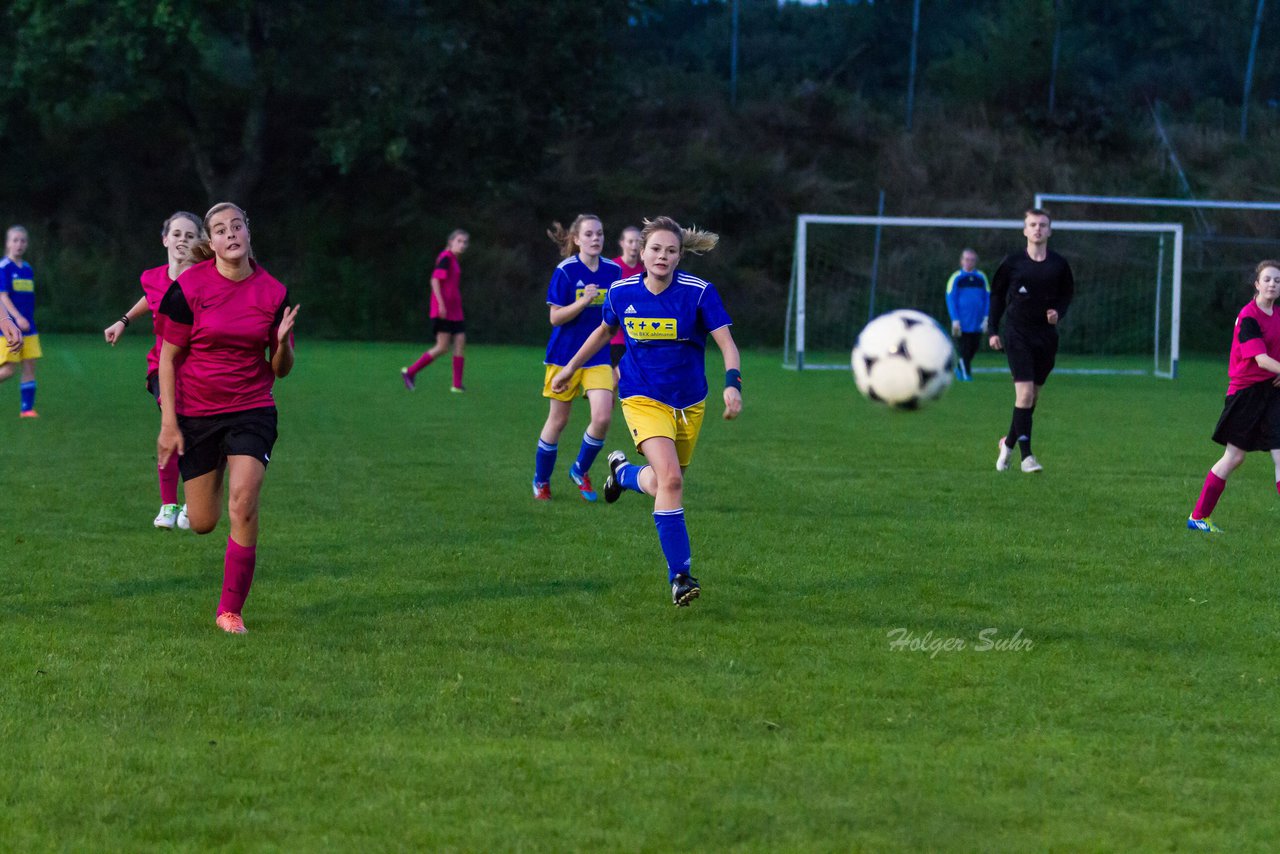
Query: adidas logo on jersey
x=1022, y=290
x=631, y=309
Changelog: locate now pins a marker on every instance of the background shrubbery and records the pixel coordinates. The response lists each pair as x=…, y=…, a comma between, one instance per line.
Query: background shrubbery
x=357, y=135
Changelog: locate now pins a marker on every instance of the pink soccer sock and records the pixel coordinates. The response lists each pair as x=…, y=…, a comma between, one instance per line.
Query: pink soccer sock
x=423, y=360
x=237, y=576
x=168, y=482
x=1209, y=495
x=457, y=371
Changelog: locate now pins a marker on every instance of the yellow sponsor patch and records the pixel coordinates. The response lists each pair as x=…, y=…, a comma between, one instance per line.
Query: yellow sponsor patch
x=650, y=328
x=600, y=295
x=25, y=286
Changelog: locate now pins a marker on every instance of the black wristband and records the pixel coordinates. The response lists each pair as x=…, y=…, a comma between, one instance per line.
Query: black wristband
x=124, y=318
x=733, y=379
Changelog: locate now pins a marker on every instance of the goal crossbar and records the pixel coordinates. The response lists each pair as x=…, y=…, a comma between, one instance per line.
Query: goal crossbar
x=796, y=296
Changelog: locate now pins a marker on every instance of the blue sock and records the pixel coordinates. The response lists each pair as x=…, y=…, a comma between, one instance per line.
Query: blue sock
x=629, y=477
x=544, y=463
x=28, y=393
x=673, y=536
x=587, y=453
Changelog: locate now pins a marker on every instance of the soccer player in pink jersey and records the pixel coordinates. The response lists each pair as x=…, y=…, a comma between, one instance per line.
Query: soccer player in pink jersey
x=446, y=311
x=179, y=234
x=1250, y=419
x=229, y=324
x=630, y=263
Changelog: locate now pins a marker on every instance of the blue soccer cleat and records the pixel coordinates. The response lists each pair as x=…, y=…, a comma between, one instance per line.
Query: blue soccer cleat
x=1205, y=524
x=580, y=480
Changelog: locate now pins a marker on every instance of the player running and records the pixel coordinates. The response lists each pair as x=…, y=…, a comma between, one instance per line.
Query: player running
x=447, y=319
x=576, y=296
x=666, y=314
x=629, y=261
x=217, y=412
x=179, y=234
x=1037, y=286
x=1250, y=419
x=18, y=300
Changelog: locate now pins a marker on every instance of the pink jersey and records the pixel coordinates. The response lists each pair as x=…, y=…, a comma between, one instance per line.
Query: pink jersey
x=1256, y=333
x=155, y=284
x=229, y=331
x=627, y=272
x=449, y=273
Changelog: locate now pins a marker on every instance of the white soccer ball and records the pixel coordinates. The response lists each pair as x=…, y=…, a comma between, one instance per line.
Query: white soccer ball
x=903, y=359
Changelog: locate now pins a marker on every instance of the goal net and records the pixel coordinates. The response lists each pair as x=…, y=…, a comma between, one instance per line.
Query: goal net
x=848, y=269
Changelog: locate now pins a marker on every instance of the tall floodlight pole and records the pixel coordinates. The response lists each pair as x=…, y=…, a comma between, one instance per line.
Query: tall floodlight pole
x=1053, y=68
x=733, y=58
x=911, y=79
x=1248, y=71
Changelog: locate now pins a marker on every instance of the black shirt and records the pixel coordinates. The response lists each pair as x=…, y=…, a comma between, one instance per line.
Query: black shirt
x=1029, y=289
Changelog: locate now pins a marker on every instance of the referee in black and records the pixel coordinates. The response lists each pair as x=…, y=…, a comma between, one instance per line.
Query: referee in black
x=1036, y=286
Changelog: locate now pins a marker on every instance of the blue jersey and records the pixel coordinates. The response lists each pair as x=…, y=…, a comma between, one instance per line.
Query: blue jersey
x=968, y=299
x=18, y=280
x=567, y=283
x=666, y=337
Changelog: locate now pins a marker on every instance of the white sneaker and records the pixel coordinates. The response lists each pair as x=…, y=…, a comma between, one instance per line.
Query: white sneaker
x=182, y=521
x=1030, y=466
x=1002, y=461
x=167, y=517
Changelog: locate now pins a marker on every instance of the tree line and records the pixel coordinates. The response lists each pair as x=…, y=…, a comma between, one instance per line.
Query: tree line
x=358, y=134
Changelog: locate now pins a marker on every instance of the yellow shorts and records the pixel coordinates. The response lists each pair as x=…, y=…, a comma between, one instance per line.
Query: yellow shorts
x=648, y=419
x=30, y=350
x=584, y=380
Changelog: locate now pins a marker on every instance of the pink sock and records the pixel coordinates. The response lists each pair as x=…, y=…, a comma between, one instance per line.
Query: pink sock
x=457, y=371
x=1209, y=495
x=237, y=576
x=168, y=482
x=423, y=360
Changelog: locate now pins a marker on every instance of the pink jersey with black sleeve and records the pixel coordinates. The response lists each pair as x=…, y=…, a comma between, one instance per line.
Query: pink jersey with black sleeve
x=229, y=331
x=1256, y=333
x=449, y=273
x=155, y=284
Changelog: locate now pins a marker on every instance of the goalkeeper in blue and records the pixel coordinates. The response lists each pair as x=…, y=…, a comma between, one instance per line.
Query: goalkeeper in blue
x=666, y=315
x=968, y=301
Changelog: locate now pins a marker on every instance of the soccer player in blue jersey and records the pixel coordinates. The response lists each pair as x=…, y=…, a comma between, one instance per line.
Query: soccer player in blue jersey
x=968, y=300
x=18, y=299
x=667, y=315
x=576, y=297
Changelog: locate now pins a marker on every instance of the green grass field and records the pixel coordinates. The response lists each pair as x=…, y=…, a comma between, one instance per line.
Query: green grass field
x=437, y=662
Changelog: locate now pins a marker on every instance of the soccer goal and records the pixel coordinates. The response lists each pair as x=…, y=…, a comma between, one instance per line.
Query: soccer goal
x=848, y=269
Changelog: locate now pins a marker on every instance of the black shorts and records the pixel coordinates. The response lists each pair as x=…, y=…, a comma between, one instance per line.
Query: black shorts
x=1250, y=418
x=616, y=352
x=1032, y=353
x=153, y=387
x=449, y=327
x=210, y=439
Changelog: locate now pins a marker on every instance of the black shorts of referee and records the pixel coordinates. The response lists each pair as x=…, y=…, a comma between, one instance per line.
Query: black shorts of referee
x=1250, y=418
x=210, y=439
x=1032, y=352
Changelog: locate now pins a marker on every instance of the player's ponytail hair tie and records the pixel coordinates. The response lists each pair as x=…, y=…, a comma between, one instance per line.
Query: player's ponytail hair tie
x=566, y=239
x=693, y=240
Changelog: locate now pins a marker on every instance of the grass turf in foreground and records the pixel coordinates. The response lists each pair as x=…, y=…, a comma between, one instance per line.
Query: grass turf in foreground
x=435, y=661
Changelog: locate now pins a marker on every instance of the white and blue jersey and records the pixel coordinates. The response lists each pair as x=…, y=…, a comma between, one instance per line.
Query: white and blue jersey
x=968, y=299
x=666, y=337
x=570, y=278
x=18, y=280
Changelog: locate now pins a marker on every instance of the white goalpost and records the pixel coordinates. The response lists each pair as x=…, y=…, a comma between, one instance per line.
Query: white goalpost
x=1125, y=317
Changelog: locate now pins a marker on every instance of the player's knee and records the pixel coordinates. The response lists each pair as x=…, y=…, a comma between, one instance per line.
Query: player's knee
x=670, y=481
x=243, y=509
